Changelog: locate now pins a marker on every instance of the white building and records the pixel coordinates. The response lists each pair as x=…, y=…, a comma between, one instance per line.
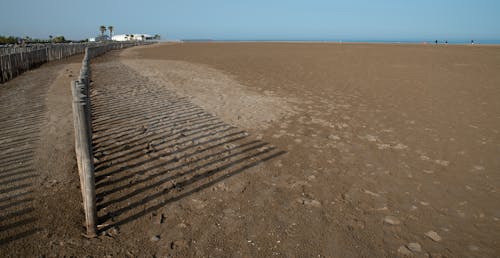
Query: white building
x=128, y=37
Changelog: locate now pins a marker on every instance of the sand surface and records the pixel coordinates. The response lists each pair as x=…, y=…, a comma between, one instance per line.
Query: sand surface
x=372, y=132
x=40, y=202
x=282, y=149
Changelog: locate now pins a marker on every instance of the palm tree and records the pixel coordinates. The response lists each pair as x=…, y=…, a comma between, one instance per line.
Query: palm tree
x=102, y=29
x=110, y=28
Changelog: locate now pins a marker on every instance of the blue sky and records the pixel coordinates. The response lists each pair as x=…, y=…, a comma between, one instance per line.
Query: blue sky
x=257, y=19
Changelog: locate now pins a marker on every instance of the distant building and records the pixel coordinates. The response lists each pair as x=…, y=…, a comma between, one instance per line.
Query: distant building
x=130, y=37
x=99, y=38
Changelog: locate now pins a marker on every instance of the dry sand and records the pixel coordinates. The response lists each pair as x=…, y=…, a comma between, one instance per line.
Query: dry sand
x=40, y=202
x=296, y=149
x=384, y=143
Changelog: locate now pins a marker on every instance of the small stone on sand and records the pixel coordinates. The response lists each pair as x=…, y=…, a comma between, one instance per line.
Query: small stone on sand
x=415, y=247
x=392, y=220
x=371, y=138
x=478, y=168
x=179, y=244
x=443, y=163
x=383, y=146
x=400, y=146
x=333, y=137
x=433, y=235
x=404, y=251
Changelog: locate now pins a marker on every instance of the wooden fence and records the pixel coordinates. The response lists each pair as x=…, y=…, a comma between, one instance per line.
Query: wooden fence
x=83, y=133
x=19, y=60
x=12, y=49
x=83, y=146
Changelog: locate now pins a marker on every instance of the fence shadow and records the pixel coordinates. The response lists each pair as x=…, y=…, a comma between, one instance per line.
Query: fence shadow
x=18, y=135
x=154, y=148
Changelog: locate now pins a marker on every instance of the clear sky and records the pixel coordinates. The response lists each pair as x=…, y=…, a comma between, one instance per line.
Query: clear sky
x=257, y=19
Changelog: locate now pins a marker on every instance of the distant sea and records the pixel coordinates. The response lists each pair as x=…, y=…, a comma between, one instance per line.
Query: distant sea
x=487, y=42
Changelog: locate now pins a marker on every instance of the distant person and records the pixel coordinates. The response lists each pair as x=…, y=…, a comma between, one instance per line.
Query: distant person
x=446, y=42
x=436, y=42
x=472, y=42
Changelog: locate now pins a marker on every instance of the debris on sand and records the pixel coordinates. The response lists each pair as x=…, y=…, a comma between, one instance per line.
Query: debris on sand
x=309, y=202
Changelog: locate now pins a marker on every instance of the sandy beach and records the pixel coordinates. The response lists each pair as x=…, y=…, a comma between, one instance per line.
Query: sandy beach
x=290, y=150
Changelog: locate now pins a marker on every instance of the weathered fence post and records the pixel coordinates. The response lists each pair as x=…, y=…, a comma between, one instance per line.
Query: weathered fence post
x=83, y=149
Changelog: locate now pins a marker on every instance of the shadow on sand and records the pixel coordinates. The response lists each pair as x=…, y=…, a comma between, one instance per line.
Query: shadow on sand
x=154, y=148
x=19, y=131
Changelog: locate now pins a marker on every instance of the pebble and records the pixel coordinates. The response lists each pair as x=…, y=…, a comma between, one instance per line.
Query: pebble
x=333, y=137
x=155, y=238
x=400, y=146
x=311, y=177
x=113, y=231
x=157, y=219
x=383, y=146
x=423, y=157
x=179, y=244
x=52, y=183
x=443, y=163
x=433, y=235
x=392, y=220
x=404, y=251
x=229, y=146
x=415, y=247
x=478, y=168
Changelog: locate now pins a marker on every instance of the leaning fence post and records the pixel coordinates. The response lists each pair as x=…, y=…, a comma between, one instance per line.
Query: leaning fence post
x=83, y=149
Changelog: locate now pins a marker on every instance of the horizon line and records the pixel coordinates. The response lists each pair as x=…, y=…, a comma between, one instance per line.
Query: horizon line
x=453, y=41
